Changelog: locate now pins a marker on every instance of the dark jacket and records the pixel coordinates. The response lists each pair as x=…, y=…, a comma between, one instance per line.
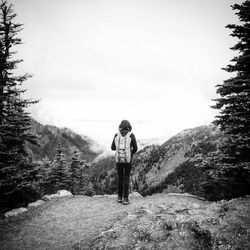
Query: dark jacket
x=133, y=144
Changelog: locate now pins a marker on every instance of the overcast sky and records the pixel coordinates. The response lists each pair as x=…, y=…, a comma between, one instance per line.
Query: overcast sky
x=96, y=62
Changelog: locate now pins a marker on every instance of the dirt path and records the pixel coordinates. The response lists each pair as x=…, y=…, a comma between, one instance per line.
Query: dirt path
x=63, y=222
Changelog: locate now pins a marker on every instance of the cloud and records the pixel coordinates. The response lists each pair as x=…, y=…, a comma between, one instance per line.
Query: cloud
x=95, y=63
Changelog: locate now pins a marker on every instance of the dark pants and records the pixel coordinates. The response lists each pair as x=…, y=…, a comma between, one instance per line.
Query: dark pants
x=123, y=170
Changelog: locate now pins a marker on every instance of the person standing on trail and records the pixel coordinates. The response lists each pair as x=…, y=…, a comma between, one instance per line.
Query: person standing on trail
x=125, y=145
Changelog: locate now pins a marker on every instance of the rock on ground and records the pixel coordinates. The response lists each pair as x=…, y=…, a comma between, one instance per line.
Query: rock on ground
x=60, y=193
x=135, y=194
x=15, y=212
x=63, y=193
x=36, y=203
x=50, y=197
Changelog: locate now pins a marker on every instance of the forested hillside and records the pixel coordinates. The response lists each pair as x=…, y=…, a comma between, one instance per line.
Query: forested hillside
x=153, y=169
x=49, y=137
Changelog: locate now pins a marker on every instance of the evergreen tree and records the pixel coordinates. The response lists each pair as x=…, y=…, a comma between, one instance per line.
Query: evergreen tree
x=233, y=160
x=60, y=175
x=44, y=174
x=234, y=103
x=75, y=172
x=15, y=122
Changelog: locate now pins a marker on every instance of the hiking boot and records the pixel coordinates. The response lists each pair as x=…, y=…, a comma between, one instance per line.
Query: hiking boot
x=119, y=200
x=125, y=201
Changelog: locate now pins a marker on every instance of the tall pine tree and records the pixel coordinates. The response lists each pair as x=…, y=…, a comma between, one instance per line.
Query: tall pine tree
x=15, y=122
x=75, y=172
x=234, y=107
x=59, y=178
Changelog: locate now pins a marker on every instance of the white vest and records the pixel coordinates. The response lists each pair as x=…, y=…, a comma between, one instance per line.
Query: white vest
x=123, y=150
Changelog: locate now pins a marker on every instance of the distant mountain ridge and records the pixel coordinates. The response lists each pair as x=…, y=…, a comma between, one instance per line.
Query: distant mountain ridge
x=49, y=137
